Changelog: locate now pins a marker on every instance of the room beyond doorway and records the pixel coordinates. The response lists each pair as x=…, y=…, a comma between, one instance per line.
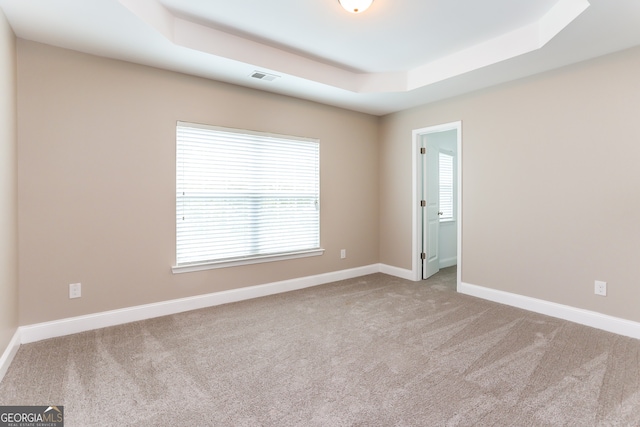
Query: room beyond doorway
x=437, y=231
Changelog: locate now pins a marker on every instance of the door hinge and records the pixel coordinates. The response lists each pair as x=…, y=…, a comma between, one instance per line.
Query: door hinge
x=423, y=203
x=423, y=255
x=423, y=150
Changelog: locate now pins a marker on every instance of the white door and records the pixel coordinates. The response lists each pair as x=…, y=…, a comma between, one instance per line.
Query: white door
x=430, y=213
x=423, y=240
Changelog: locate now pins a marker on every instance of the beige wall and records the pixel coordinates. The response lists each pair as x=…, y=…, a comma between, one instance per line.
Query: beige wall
x=8, y=187
x=551, y=184
x=97, y=181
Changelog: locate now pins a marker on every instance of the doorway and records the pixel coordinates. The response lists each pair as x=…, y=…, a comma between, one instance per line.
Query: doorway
x=437, y=240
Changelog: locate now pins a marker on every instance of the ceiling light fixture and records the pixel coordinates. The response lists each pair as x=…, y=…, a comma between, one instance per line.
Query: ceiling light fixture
x=355, y=6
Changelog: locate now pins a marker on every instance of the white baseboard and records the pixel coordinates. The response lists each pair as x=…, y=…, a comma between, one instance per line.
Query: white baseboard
x=46, y=330
x=448, y=262
x=577, y=315
x=396, y=271
x=9, y=353
x=72, y=325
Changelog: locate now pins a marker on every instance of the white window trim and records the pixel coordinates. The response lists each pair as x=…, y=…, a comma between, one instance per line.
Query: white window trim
x=211, y=265
x=254, y=259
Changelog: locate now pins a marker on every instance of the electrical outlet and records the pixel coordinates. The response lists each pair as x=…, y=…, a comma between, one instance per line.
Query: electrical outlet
x=75, y=290
x=343, y=253
x=601, y=288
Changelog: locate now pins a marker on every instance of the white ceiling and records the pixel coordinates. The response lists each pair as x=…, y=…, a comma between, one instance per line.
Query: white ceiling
x=396, y=55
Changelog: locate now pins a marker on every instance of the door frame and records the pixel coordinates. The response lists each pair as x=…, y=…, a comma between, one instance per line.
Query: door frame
x=416, y=234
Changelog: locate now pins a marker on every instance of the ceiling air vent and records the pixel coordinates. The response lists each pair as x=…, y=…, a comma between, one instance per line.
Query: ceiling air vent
x=261, y=75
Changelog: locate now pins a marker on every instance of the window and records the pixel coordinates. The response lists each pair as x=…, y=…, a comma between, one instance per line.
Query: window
x=446, y=186
x=244, y=197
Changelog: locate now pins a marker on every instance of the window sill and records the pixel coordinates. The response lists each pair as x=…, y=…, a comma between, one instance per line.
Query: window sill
x=448, y=220
x=188, y=268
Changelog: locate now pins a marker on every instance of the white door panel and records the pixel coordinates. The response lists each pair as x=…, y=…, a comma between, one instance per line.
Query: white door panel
x=431, y=218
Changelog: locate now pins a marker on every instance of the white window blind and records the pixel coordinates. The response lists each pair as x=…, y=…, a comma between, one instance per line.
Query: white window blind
x=242, y=194
x=446, y=186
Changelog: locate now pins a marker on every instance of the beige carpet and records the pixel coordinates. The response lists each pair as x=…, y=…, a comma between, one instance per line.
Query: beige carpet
x=372, y=351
